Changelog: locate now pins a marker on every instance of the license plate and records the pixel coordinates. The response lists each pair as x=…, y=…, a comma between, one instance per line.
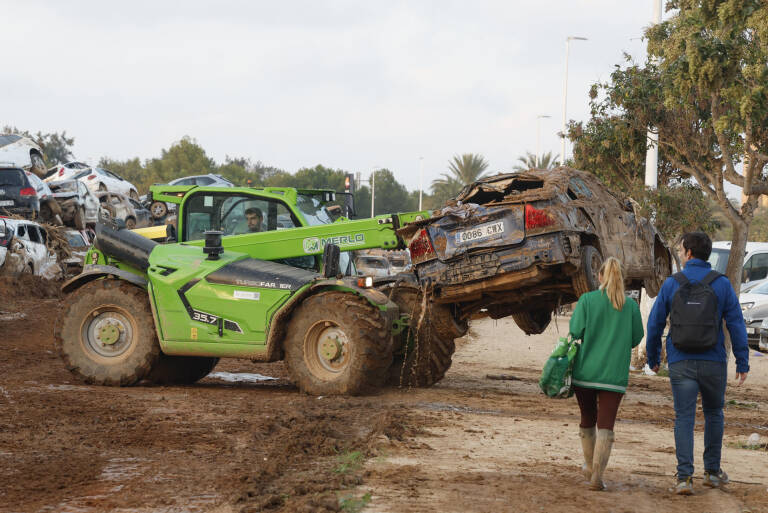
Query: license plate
x=6, y=203
x=484, y=231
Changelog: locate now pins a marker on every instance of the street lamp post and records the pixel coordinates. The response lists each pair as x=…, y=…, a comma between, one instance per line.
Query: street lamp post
x=538, y=137
x=565, y=89
x=421, y=179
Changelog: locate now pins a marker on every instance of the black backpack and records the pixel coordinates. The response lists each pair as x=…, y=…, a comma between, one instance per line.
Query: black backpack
x=694, y=325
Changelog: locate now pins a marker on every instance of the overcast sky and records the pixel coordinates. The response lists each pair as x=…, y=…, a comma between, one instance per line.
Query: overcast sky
x=346, y=84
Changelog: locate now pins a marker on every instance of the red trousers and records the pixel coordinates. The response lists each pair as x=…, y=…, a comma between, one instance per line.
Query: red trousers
x=597, y=407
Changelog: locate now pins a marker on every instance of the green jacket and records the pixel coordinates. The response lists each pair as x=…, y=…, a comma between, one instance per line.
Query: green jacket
x=608, y=337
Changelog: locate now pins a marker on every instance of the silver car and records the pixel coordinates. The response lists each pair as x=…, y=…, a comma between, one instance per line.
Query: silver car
x=22, y=152
x=79, y=206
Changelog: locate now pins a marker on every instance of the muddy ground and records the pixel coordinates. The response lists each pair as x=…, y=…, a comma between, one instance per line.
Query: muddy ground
x=471, y=443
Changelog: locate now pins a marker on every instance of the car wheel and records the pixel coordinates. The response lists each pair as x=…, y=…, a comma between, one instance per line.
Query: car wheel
x=130, y=223
x=586, y=279
x=134, y=195
x=158, y=209
x=28, y=269
x=102, y=187
x=38, y=165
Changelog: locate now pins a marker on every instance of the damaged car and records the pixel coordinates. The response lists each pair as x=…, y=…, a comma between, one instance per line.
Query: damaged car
x=27, y=249
x=19, y=151
x=79, y=207
x=125, y=209
x=522, y=244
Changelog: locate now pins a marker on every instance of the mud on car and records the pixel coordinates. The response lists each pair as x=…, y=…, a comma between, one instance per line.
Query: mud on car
x=521, y=244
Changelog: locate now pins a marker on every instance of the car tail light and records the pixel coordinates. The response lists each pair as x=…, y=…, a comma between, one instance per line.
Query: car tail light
x=421, y=247
x=91, y=177
x=61, y=171
x=535, y=218
x=28, y=191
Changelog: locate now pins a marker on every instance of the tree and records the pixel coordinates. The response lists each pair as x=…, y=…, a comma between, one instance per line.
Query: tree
x=531, y=161
x=703, y=90
x=462, y=171
x=56, y=147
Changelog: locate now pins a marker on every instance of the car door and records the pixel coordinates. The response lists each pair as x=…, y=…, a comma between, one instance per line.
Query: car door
x=90, y=203
x=36, y=247
x=755, y=268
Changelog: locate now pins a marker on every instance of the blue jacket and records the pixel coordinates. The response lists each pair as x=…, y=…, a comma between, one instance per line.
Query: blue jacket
x=728, y=308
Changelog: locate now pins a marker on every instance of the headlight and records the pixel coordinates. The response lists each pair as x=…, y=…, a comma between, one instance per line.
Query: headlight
x=764, y=324
x=747, y=306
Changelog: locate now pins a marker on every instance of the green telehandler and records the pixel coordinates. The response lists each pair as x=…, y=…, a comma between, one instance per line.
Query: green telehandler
x=257, y=273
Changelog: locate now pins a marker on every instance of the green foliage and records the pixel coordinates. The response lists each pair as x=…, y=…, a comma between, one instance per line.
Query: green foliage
x=531, y=161
x=56, y=147
x=391, y=196
x=462, y=171
x=354, y=504
x=758, y=230
x=349, y=461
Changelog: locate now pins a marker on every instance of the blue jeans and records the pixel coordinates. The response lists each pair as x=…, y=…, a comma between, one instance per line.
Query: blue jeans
x=688, y=378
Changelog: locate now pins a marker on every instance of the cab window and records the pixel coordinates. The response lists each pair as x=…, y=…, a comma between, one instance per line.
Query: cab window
x=234, y=214
x=756, y=268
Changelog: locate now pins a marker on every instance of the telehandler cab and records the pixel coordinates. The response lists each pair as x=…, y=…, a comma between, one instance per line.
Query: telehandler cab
x=259, y=274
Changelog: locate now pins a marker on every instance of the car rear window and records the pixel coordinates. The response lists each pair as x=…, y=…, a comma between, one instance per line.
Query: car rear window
x=12, y=178
x=8, y=139
x=64, y=187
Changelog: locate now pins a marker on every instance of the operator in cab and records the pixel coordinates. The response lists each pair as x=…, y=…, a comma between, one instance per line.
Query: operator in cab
x=255, y=219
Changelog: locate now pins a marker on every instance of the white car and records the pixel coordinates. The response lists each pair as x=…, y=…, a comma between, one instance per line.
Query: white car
x=65, y=171
x=28, y=251
x=79, y=243
x=22, y=152
x=98, y=179
x=755, y=263
x=755, y=296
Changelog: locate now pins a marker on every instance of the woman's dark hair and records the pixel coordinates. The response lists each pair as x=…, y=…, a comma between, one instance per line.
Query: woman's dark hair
x=699, y=244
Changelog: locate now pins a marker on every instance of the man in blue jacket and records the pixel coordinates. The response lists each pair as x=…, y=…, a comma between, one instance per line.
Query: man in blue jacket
x=701, y=372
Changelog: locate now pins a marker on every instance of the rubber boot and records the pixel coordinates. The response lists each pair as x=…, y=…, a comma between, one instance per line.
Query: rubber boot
x=587, y=436
x=603, y=446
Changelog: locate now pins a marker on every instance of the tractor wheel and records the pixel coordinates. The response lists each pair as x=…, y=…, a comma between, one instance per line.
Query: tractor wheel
x=586, y=279
x=80, y=218
x=180, y=370
x=424, y=350
x=158, y=209
x=533, y=322
x=106, y=335
x=336, y=343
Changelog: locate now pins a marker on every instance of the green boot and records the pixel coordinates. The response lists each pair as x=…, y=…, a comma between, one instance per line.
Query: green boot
x=603, y=446
x=587, y=436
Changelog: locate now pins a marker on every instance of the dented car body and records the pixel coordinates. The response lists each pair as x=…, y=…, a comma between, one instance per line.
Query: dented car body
x=523, y=243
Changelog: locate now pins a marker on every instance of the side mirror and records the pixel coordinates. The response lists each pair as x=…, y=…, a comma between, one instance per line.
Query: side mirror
x=331, y=256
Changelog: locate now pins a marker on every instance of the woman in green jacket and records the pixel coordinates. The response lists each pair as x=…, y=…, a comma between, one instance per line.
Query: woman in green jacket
x=609, y=326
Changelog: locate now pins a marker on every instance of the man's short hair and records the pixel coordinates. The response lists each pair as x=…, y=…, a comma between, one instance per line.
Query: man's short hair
x=254, y=211
x=699, y=244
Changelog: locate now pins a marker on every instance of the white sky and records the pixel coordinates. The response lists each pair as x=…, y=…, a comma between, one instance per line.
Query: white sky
x=346, y=84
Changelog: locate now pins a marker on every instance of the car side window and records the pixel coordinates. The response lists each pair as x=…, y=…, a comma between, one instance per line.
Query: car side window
x=34, y=235
x=203, y=180
x=756, y=268
x=21, y=232
x=579, y=188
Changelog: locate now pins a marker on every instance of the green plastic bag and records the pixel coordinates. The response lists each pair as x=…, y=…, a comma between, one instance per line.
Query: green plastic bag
x=556, y=378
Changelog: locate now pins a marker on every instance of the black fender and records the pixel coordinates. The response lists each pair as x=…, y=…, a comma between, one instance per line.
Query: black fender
x=93, y=272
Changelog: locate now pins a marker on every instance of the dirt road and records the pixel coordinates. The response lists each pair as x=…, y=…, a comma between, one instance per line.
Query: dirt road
x=469, y=444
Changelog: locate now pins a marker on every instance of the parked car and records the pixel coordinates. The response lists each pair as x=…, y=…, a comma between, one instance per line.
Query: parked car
x=754, y=296
x=79, y=206
x=29, y=247
x=369, y=265
x=65, y=171
x=17, y=194
x=755, y=266
x=125, y=209
x=98, y=179
x=160, y=209
x=21, y=152
x=754, y=318
x=521, y=244
x=79, y=242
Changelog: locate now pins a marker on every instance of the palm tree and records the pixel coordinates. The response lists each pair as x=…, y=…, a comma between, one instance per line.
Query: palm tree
x=462, y=170
x=529, y=161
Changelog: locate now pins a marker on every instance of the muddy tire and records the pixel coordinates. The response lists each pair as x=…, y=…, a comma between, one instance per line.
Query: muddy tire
x=337, y=343
x=133, y=195
x=106, y=335
x=79, y=218
x=46, y=214
x=180, y=370
x=533, y=322
x=102, y=187
x=586, y=279
x=158, y=209
x=423, y=351
x=661, y=265
x=130, y=223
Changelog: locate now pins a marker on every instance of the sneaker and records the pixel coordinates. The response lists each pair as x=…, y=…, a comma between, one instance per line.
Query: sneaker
x=715, y=479
x=684, y=486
